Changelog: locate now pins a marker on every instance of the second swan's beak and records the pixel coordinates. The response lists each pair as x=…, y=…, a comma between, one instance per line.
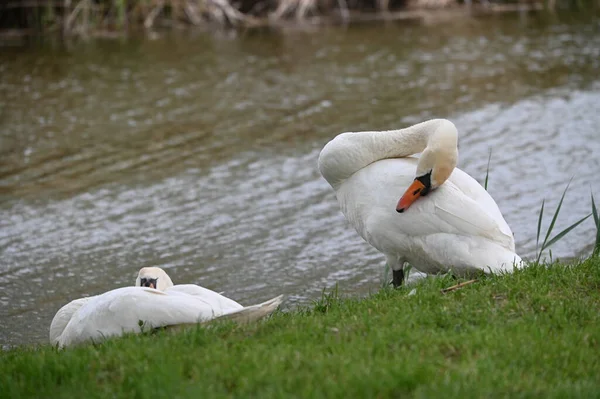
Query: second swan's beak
x=412, y=193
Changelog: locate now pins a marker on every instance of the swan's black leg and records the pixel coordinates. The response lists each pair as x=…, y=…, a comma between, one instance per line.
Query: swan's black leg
x=397, y=277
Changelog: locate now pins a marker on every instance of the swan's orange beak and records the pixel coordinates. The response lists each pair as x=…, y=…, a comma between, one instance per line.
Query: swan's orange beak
x=412, y=193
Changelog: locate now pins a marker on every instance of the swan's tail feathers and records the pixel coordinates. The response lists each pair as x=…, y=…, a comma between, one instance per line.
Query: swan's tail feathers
x=253, y=313
x=246, y=315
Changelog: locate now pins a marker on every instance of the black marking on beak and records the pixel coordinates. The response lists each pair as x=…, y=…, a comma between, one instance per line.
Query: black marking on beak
x=426, y=180
x=148, y=282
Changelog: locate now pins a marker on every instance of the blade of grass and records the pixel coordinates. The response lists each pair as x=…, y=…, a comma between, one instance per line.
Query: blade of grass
x=385, y=282
x=487, y=172
x=539, y=228
x=597, y=222
x=547, y=243
x=327, y=300
x=595, y=212
x=564, y=232
x=556, y=214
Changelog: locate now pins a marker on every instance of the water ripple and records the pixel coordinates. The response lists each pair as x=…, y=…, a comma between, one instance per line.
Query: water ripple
x=199, y=155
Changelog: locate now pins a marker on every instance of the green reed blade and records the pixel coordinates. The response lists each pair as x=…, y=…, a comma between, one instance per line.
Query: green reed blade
x=487, y=172
x=595, y=212
x=539, y=227
x=555, y=215
x=564, y=232
x=597, y=222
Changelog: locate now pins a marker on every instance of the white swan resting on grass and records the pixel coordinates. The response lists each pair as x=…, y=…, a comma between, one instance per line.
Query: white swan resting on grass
x=424, y=210
x=153, y=302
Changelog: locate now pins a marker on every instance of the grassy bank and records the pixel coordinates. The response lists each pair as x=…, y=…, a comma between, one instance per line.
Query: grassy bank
x=531, y=334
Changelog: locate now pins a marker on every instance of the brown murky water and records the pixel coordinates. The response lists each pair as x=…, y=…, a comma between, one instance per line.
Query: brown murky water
x=197, y=152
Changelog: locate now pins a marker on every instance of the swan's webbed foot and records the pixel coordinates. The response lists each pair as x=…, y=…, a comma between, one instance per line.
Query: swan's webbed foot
x=397, y=277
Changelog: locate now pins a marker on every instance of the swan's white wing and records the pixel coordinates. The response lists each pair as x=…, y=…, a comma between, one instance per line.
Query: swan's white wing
x=460, y=206
x=472, y=189
x=124, y=309
x=471, y=218
x=63, y=316
x=216, y=300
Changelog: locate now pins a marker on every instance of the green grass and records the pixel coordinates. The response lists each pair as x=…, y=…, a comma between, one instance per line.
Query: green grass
x=548, y=242
x=535, y=333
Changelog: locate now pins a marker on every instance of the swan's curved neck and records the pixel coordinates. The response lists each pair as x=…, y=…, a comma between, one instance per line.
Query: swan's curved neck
x=349, y=152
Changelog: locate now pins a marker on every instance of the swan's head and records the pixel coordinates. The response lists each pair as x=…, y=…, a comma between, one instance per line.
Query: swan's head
x=153, y=277
x=435, y=166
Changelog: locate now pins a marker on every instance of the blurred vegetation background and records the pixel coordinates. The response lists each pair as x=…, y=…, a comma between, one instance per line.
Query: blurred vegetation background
x=83, y=17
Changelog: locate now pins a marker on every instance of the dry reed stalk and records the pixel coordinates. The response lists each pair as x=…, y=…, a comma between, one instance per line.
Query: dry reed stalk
x=457, y=286
x=191, y=10
x=305, y=7
x=224, y=12
x=383, y=5
x=149, y=21
x=431, y=4
x=298, y=7
x=66, y=8
x=175, y=6
x=86, y=15
x=344, y=12
x=74, y=13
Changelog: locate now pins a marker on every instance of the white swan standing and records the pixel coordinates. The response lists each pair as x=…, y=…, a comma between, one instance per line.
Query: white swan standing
x=457, y=226
x=155, y=302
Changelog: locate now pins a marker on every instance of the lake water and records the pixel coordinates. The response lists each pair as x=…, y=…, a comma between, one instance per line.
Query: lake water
x=197, y=151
